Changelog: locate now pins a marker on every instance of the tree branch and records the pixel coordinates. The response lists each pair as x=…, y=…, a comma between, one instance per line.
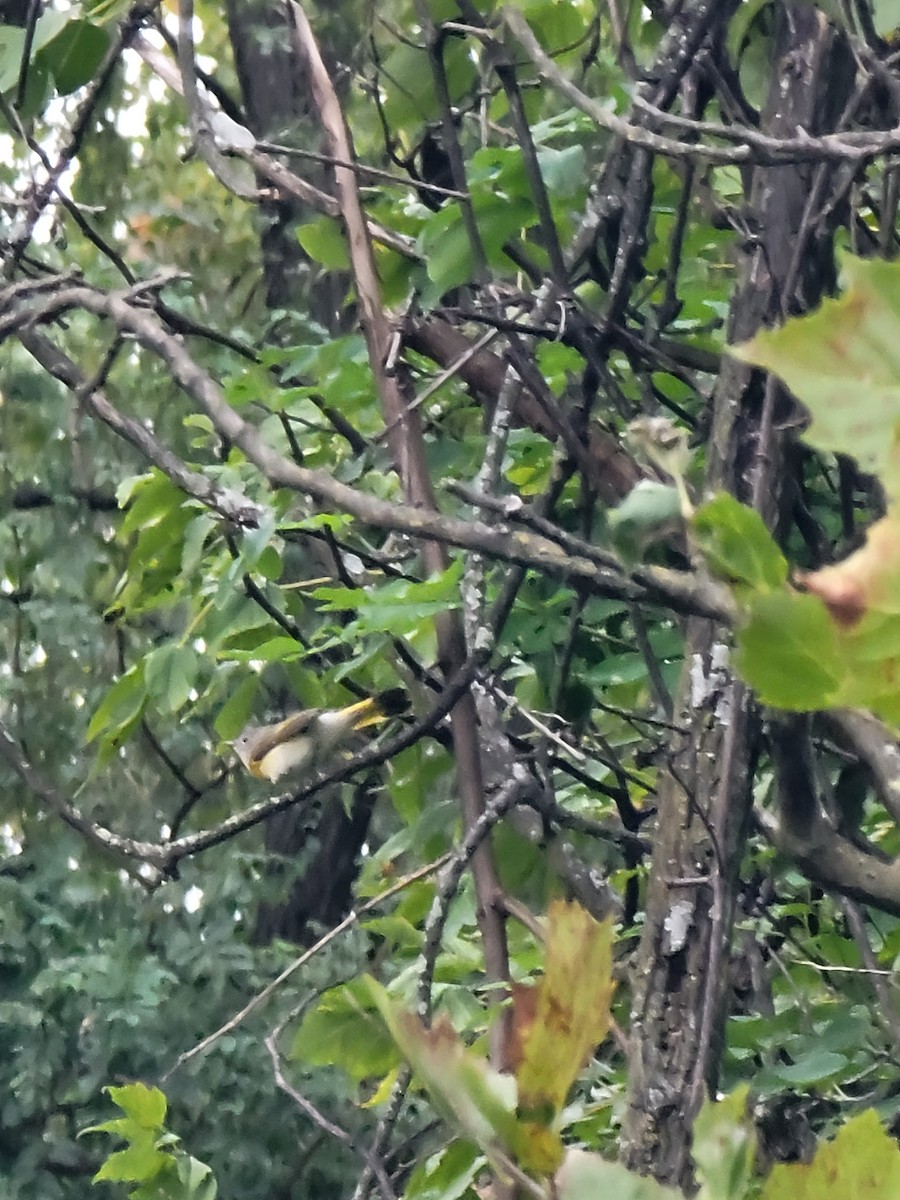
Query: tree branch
x=757, y=149
x=683, y=591
x=229, y=503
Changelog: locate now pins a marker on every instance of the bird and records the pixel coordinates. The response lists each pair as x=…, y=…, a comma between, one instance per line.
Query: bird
x=304, y=739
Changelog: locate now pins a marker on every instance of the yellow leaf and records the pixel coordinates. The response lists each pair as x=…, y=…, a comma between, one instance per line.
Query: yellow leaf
x=572, y=1011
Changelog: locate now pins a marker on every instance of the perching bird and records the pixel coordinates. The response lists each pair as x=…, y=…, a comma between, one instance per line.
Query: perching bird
x=305, y=738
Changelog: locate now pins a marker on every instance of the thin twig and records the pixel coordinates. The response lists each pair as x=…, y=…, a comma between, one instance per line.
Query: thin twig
x=373, y=1163
x=271, y=988
x=756, y=149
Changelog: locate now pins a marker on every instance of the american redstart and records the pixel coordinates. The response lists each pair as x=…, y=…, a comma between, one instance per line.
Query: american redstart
x=304, y=738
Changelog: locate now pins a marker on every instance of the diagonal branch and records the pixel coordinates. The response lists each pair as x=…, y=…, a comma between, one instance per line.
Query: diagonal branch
x=756, y=149
x=164, y=856
x=229, y=503
x=408, y=449
x=682, y=591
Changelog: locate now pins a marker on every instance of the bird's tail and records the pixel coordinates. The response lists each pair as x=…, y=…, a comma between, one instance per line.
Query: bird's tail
x=378, y=708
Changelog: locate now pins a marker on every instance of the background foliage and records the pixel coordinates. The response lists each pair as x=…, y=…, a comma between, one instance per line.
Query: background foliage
x=507, y=463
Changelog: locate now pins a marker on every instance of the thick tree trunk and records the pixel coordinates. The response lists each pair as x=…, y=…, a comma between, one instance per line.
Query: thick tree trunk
x=319, y=898
x=275, y=94
x=681, y=975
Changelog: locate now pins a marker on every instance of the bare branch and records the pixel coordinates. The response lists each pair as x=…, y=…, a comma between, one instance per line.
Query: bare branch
x=200, y=116
x=236, y=508
x=681, y=590
x=408, y=450
x=756, y=149
x=834, y=862
x=875, y=745
x=121, y=848
x=270, y=989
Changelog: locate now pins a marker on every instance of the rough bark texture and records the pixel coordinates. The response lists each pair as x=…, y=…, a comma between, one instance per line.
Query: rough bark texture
x=275, y=93
x=274, y=99
x=320, y=896
x=681, y=977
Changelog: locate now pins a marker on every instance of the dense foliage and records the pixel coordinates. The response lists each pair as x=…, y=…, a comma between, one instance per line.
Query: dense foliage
x=427, y=344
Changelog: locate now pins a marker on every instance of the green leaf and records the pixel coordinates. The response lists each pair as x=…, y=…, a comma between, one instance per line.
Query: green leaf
x=51, y=23
x=139, y=1163
x=414, y=100
x=195, y=536
x=236, y=711
x=811, y=1069
x=107, y=10
x=74, y=55
x=445, y=246
x=872, y=659
x=862, y=1161
x=123, y=1127
x=151, y=498
x=843, y=363
x=255, y=541
x=196, y=1178
x=325, y=243
x=130, y=485
x=724, y=1147
x=737, y=544
x=170, y=673
x=38, y=92
x=739, y=26
x=886, y=16
x=499, y=219
x=479, y=1100
x=445, y=1175
x=146, y=1106
x=343, y=1030
x=585, y=1176
x=528, y=461
x=557, y=25
x=397, y=606
x=121, y=704
x=277, y=649
x=269, y=564
x=788, y=651
x=12, y=44
x=563, y=170
x=860, y=648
